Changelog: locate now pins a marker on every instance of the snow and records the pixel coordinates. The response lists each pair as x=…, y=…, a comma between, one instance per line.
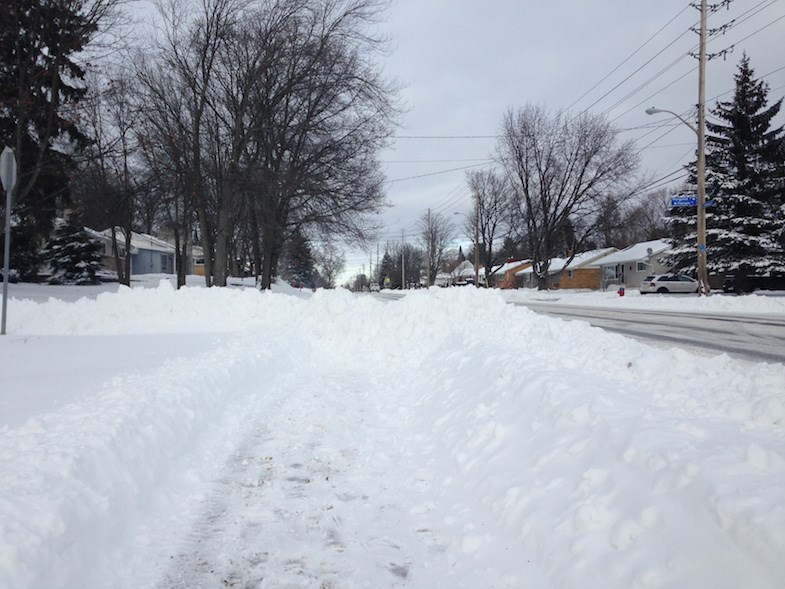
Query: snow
x=637, y=252
x=757, y=303
x=151, y=437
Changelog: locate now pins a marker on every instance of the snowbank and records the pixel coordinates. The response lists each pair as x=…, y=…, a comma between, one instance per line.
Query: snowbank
x=605, y=462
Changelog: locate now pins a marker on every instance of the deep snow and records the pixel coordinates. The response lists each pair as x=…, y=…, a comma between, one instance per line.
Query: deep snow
x=225, y=437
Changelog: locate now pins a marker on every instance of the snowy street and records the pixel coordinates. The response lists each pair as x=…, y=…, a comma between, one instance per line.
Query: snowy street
x=230, y=438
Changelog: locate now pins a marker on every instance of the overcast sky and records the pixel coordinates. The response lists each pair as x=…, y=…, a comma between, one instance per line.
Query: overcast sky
x=463, y=63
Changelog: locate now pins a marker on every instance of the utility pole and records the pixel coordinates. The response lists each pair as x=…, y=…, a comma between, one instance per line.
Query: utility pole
x=403, y=264
x=477, y=243
x=428, y=263
x=703, y=275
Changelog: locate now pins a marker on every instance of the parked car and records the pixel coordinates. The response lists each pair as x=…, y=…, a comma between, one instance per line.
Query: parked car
x=374, y=287
x=668, y=283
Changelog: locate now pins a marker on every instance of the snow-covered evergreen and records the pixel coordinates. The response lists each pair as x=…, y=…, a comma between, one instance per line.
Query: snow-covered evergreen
x=74, y=256
x=745, y=180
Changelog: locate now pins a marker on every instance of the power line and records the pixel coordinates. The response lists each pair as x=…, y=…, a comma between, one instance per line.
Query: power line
x=434, y=173
x=753, y=11
x=630, y=56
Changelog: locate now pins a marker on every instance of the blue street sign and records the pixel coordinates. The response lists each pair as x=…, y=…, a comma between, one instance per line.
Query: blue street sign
x=684, y=200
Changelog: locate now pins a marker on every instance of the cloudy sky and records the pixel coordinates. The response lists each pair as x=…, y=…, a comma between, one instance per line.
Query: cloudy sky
x=463, y=63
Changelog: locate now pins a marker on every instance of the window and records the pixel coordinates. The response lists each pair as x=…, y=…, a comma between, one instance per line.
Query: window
x=570, y=273
x=643, y=267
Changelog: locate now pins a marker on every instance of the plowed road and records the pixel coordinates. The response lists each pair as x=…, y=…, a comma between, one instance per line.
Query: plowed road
x=752, y=337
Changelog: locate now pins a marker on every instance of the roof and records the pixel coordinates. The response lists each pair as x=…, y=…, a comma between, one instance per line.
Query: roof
x=143, y=241
x=639, y=251
x=139, y=241
x=582, y=260
x=510, y=265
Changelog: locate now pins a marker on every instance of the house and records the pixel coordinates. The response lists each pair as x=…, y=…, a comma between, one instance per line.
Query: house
x=463, y=273
x=149, y=255
x=583, y=271
x=504, y=275
x=629, y=266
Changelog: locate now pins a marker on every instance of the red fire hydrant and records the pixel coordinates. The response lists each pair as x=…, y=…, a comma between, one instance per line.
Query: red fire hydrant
x=621, y=291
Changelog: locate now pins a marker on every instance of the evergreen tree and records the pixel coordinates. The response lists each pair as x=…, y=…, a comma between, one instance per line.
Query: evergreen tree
x=745, y=180
x=40, y=83
x=74, y=256
x=299, y=265
x=387, y=269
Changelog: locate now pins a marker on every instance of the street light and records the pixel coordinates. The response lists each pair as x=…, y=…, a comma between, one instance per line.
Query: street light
x=653, y=111
x=703, y=275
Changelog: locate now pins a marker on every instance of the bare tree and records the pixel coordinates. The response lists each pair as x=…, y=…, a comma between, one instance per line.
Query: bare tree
x=330, y=263
x=646, y=219
x=284, y=114
x=108, y=185
x=561, y=168
x=492, y=202
x=436, y=232
x=323, y=113
x=181, y=81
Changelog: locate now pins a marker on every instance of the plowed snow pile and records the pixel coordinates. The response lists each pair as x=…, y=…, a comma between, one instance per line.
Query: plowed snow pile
x=226, y=437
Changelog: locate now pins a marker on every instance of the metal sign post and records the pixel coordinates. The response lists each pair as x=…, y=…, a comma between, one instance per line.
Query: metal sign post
x=8, y=178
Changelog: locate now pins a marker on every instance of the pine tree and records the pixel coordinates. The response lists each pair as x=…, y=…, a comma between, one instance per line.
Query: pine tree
x=73, y=255
x=41, y=81
x=745, y=180
x=299, y=262
x=387, y=270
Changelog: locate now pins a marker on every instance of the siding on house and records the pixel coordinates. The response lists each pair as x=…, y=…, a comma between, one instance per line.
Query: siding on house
x=582, y=272
x=590, y=278
x=505, y=276
x=149, y=255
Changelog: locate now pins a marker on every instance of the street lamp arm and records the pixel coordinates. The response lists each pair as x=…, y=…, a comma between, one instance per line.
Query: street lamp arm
x=654, y=111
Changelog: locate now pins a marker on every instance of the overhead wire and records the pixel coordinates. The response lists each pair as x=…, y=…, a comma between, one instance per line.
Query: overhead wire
x=630, y=56
x=668, y=127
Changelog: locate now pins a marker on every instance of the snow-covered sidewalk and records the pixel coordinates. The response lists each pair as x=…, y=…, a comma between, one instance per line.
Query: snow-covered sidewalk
x=444, y=440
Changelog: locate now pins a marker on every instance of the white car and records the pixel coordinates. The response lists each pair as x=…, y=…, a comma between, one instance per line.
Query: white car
x=374, y=287
x=669, y=283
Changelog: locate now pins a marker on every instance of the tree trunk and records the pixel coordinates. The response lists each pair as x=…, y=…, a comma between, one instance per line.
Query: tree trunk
x=271, y=247
x=119, y=267
x=127, y=261
x=222, y=235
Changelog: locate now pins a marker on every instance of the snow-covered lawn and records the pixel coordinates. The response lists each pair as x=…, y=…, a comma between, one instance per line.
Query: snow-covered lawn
x=230, y=438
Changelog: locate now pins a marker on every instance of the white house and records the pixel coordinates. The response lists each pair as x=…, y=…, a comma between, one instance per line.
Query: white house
x=629, y=266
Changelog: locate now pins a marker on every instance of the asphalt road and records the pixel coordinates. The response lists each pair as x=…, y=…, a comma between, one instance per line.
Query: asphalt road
x=758, y=338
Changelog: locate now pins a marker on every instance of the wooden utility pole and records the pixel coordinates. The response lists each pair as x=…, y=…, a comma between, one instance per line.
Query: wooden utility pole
x=428, y=264
x=403, y=264
x=703, y=275
x=477, y=243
